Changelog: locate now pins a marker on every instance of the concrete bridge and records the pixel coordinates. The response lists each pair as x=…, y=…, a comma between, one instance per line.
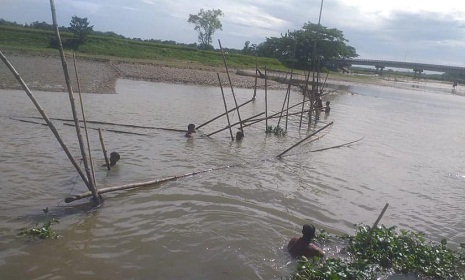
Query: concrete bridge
x=418, y=68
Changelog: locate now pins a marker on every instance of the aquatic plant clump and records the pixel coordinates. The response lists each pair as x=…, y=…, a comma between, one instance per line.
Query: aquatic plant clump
x=278, y=131
x=42, y=232
x=380, y=251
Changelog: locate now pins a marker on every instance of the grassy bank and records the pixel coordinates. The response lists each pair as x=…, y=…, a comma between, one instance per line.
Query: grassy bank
x=101, y=47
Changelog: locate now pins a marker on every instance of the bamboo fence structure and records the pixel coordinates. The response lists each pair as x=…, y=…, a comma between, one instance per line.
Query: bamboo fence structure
x=225, y=106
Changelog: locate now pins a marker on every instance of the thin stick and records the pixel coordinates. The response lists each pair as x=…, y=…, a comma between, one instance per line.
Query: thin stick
x=252, y=117
x=337, y=146
x=45, y=117
x=281, y=154
x=305, y=90
x=112, y=130
x=84, y=120
x=91, y=185
x=215, y=118
x=104, y=149
x=230, y=84
x=285, y=99
x=143, y=184
x=225, y=107
x=380, y=216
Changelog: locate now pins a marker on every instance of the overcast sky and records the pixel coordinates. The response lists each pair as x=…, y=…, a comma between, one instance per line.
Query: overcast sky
x=425, y=31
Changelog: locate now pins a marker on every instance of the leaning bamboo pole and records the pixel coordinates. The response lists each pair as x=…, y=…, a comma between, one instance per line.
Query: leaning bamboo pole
x=324, y=127
x=230, y=84
x=143, y=184
x=91, y=185
x=225, y=107
x=104, y=150
x=288, y=92
x=217, y=117
x=84, y=120
x=46, y=118
x=219, y=130
x=121, y=124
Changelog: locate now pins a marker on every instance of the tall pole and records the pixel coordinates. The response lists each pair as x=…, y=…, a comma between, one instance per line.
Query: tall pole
x=91, y=185
x=230, y=84
x=225, y=107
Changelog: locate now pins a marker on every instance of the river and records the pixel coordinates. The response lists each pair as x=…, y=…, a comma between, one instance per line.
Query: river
x=231, y=223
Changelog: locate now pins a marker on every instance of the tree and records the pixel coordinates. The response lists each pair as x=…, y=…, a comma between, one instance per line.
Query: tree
x=206, y=23
x=296, y=47
x=249, y=49
x=81, y=29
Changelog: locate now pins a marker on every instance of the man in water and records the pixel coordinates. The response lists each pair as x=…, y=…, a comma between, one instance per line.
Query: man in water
x=190, y=130
x=303, y=246
x=239, y=135
x=114, y=157
x=327, y=108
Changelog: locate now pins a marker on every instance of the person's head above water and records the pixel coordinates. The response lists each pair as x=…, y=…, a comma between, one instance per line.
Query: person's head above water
x=327, y=103
x=114, y=157
x=191, y=128
x=308, y=230
x=239, y=135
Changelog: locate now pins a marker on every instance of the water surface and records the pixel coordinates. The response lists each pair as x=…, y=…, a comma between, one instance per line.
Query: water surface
x=231, y=223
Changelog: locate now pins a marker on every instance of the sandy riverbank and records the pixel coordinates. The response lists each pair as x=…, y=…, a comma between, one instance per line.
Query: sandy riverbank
x=45, y=73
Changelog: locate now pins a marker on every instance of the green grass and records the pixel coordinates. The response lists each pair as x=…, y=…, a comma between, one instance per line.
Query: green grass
x=101, y=47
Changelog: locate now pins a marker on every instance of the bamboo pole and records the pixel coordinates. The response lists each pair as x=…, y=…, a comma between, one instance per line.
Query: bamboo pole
x=225, y=107
x=286, y=98
x=256, y=77
x=107, y=163
x=281, y=154
x=143, y=184
x=304, y=95
x=84, y=120
x=266, y=101
x=274, y=116
x=91, y=185
x=217, y=117
x=120, y=124
x=230, y=84
x=219, y=130
x=45, y=117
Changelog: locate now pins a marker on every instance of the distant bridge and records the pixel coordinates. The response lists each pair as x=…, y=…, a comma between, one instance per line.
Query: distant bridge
x=416, y=67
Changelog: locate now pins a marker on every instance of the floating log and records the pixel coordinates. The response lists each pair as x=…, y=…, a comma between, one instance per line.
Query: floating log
x=225, y=106
x=217, y=117
x=104, y=150
x=281, y=154
x=45, y=117
x=143, y=184
x=90, y=184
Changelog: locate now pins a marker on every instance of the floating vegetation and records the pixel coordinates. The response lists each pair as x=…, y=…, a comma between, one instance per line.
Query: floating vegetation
x=40, y=232
x=383, y=251
x=278, y=131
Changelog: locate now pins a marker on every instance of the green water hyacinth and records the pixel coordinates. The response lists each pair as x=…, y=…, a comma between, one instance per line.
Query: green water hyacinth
x=383, y=251
x=40, y=232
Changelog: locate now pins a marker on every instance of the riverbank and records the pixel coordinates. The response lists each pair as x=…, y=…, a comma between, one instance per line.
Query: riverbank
x=44, y=72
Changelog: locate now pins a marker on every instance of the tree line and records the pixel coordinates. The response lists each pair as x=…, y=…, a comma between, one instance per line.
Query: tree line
x=297, y=49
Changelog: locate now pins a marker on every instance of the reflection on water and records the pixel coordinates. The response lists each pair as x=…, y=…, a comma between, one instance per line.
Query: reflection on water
x=231, y=223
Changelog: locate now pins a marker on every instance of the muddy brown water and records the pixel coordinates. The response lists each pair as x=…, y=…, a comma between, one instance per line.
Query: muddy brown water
x=231, y=223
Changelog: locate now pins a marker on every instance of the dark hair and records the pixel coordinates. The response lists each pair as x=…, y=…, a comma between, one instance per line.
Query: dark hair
x=114, y=157
x=191, y=127
x=308, y=230
x=239, y=135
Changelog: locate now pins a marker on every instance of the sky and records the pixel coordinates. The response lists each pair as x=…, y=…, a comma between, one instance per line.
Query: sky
x=422, y=31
